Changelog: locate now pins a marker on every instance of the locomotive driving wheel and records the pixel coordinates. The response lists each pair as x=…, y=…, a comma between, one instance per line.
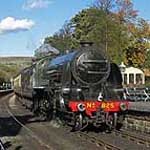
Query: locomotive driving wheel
x=78, y=122
x=45, y=107
x=111, y=121
x=120, y=120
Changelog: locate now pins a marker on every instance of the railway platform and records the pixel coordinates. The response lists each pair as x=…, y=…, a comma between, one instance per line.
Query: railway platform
x=139, y=106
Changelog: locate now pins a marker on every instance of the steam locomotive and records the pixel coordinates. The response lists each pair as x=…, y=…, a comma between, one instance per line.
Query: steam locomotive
x=80, y=88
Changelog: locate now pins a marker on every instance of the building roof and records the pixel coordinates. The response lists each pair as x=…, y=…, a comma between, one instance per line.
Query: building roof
x=133, y=70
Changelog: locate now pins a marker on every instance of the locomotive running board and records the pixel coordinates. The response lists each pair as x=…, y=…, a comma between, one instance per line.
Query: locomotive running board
x=95, y=61
x=96, y=72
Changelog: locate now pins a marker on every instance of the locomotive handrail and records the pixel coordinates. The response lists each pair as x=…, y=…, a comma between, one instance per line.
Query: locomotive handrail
x=51, y=71
x=96, y=72
x=4, y=92
x=95, y=61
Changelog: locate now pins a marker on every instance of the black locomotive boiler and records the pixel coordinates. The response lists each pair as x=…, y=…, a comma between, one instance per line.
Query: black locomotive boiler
x=82, y=87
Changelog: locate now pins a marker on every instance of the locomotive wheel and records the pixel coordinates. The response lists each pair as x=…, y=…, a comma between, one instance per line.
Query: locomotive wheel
x=111, y=121
x=45, y=107
x=78, y=122
x=35, y=106
x=120, y=122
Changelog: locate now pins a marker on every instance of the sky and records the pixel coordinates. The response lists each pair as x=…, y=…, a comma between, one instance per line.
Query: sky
x=25, y=23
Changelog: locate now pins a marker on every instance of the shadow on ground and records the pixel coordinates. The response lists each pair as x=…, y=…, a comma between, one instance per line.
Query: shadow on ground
x=11, y=128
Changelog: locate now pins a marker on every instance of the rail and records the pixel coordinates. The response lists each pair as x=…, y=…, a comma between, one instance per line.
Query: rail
x=1, y=146
x=98, y=142
x=4, y=92
x=93, y=139
x=132, y=137
x=28, y=130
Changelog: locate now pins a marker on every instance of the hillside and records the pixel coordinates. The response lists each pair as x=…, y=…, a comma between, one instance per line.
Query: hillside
x=15, y=60
x=10, y=66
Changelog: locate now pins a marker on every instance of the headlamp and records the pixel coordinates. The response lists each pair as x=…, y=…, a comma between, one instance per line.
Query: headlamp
x=81, y=107
x=123, y=106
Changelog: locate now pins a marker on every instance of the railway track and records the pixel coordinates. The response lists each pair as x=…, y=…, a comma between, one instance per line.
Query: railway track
x=1, y=146
x=138, y=139
x=99, y=142
x=104, y=142
x=28, y=131
x=94, y=138
x=11, y=113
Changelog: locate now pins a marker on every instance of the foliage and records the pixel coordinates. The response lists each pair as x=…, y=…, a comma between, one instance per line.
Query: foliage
x=137, y=51
x=7, y=72
x=62, y=40
x=147, y=82
x=147, y=60
x=125, y=12
x=105, y=5
x=103, y=28
x=135, y=55
x=113, y=24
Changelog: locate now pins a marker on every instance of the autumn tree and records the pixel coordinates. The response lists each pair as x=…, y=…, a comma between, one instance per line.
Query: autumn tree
x=147, y=60
x=111, y=24
x=100, y=27
x=136, y=53
x=125, y=12
x=123, y=15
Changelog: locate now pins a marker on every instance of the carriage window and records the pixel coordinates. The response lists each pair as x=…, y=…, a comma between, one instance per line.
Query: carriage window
x=131, y=78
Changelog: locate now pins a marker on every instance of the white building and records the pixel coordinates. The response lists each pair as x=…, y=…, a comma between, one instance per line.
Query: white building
x=132, y=75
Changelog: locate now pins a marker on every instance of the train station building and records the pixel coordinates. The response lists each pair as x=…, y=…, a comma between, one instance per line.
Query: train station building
x=131, y=75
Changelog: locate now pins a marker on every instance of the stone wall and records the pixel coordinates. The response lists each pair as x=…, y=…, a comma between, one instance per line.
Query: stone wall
x=135, y=123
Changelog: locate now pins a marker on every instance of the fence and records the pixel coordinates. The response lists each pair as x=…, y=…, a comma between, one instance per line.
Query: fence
x=137, y=94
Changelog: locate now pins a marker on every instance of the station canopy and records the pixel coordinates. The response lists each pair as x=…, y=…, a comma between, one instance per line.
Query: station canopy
x=45, y=50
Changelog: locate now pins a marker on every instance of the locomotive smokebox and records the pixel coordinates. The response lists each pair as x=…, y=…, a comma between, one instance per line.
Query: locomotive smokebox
x=90, y=66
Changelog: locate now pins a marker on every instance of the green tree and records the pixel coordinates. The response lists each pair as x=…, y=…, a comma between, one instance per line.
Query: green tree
x=111, y=24
x=147, y=59
x=62, y=39
x=138, y=49
x=95, y=24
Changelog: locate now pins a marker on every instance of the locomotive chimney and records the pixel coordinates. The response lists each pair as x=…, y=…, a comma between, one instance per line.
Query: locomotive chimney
x=86, y=43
